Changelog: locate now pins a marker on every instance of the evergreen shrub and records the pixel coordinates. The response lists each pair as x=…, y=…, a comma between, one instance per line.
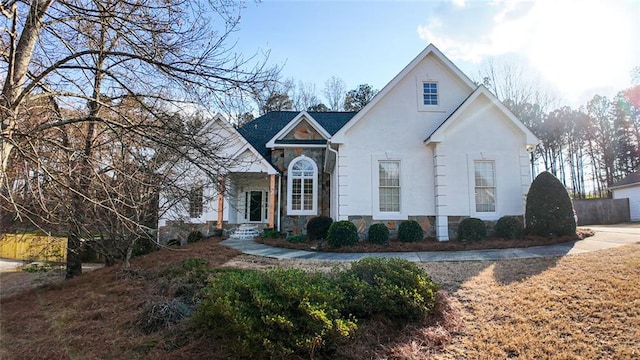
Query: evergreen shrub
x=290, y=313
x=295, y=239
x=270, y=233
x=395, y=288
x=194, y=236
x=472, y=229
x=410, y=231
x=509, y=227
x=318, y=227
x=275, y=314
x=549, y=211
x=342, y=233
x=378, y=234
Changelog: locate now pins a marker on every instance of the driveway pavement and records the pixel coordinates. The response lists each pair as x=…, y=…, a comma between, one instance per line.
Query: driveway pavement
x=605, y=237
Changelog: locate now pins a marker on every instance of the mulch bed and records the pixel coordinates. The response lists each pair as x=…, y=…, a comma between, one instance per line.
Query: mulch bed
x=429, y=244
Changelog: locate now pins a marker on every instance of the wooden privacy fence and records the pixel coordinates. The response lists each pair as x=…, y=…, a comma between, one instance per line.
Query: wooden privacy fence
x=602, y=211
x=33, y=247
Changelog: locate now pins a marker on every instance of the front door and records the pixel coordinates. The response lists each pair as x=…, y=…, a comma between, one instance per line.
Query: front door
x=255, y=206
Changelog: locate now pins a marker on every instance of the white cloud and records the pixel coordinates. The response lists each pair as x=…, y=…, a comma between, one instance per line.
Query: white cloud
x=576, y=45
x=459, y=3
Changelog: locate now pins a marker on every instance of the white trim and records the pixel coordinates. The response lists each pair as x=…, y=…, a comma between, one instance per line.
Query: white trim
x=420, y=81
x=264, y=206
x=283, y=146
x=439, y=134
x=624, y=186
x=266, y=166
x=375, y=182
x=314, y=198
x=471, y=159
x=303, y=115
x=339, y=137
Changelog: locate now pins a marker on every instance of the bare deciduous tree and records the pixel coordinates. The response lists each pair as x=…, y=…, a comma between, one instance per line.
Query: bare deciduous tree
x=334, y=92
x=86, y=80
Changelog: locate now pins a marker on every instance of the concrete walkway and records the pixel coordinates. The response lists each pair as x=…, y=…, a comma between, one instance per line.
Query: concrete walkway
x=605, y=237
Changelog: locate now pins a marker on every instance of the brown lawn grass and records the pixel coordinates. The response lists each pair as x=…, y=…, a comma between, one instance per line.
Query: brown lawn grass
x=576, y=307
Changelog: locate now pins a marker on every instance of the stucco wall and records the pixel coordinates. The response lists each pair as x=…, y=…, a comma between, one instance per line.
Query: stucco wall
x=396, y=127
x=483, y=133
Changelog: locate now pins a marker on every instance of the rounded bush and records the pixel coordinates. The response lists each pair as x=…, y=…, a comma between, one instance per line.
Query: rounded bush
x=509, y=227
x=378, y=234
x=472, y=229
x=194, y=236
x=342, y=233
x=295, y=239
x=549, y=210
x=395, y=288
x=318, y=227
x=270, y=233
x=410, y=231
x=275, y=314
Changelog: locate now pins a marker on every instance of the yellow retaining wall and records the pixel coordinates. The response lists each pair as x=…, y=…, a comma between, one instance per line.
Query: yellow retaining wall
x=33, y=247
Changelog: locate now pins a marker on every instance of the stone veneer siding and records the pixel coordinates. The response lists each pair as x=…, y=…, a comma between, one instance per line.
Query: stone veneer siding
x=362, y=223
x=281, y=158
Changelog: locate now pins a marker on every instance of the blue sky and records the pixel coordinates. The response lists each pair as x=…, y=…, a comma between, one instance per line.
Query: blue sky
x=578, y=47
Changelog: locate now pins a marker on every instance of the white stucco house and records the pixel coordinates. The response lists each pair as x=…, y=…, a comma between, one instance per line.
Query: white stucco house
x=629, y=188
x=431, y=146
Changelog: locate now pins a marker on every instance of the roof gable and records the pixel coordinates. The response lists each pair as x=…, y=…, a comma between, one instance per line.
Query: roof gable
x=245, y=154
x=439, y=134
x=430, y=50
x=262, y=129
x=629, y=180
x=302, y=127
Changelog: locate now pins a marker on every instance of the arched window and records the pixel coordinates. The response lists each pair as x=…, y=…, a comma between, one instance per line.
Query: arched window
x=302, y=187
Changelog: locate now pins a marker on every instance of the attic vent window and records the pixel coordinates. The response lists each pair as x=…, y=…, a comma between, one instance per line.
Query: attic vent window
x=430, y=93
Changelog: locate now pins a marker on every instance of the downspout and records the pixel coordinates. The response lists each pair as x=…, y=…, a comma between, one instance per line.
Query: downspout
x=279, y=201
x=337, y=185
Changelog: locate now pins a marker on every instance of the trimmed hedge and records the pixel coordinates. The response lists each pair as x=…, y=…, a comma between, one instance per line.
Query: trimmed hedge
x=472, y=229
x=378, y=234
x=509, y=227
x=410, y=231
x=318, y=227
x=342, y=233
x=549, y=211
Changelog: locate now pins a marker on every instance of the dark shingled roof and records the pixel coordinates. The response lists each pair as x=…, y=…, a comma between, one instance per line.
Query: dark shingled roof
x=260, y=130
x=627, y=180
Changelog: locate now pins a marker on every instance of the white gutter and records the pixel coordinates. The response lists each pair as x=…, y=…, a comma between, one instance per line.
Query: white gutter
x=279, y=197
x=337, y=179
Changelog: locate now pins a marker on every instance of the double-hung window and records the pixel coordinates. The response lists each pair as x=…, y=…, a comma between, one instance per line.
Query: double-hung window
x=485, y=186
x=196, y=202
x=430, y=93
x=302, y=186
x=389, y=185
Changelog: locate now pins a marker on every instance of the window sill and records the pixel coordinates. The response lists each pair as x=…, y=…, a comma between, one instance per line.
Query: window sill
x=389, y=216
x=299, y=212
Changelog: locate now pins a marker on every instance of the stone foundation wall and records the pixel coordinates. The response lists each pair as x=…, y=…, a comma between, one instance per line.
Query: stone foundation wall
x=362, y=223
x=178, y=229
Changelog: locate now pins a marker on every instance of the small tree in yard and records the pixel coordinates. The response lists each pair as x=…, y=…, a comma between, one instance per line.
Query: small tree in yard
x=549, y=210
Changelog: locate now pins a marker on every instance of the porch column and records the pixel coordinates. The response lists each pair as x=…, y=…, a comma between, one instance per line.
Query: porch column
x=272, y=201
x=440, y=174
x=221, y=191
